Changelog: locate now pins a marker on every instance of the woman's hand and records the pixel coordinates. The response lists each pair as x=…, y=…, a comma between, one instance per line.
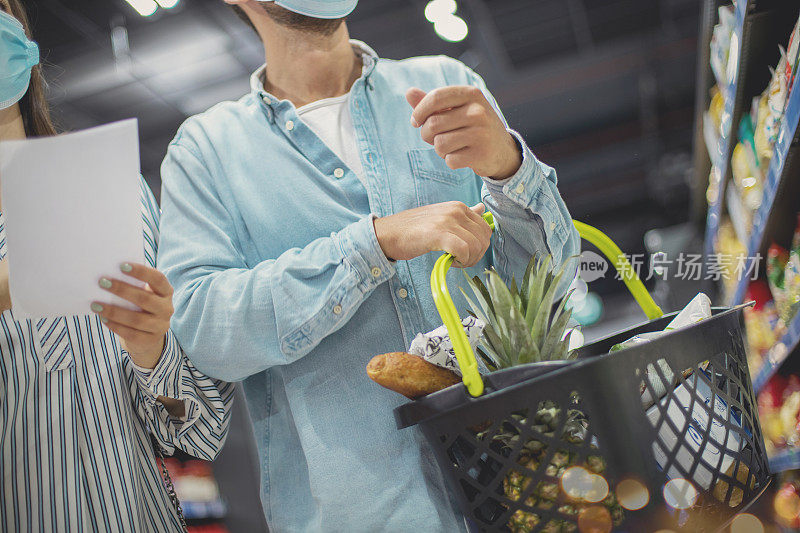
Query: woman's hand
x=143, y=333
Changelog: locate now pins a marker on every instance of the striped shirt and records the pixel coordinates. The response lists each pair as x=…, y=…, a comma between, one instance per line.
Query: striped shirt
x=76, y=417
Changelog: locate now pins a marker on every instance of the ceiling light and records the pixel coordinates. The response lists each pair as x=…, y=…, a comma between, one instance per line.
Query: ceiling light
x=439, y=9
x=451, y=28
x=168, y=4
x=144, y=7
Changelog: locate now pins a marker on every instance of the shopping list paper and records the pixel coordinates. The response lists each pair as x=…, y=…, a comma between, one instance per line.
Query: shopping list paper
x=72, y=214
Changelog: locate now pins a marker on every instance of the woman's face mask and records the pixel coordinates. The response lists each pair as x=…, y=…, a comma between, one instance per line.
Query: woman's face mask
x=18, y=55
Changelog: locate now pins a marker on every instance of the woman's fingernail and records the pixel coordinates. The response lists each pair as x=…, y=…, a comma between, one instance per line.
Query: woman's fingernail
x=97, y=308
x=105, y=283
x=104, y=320
x=414, y=123
x=126, y=267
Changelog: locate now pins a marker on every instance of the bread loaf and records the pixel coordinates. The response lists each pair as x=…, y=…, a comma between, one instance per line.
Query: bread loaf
x=410, y=375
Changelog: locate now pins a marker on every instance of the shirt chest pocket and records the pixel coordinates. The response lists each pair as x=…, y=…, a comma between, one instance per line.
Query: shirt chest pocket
x=435, y=182
x=54, y=348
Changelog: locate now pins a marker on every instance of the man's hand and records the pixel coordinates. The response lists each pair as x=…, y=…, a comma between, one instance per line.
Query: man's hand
x=465, y=130
x=450, y=227
x=143, y=332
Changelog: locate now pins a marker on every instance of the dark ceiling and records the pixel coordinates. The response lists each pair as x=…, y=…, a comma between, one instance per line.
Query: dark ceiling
x=602, y=89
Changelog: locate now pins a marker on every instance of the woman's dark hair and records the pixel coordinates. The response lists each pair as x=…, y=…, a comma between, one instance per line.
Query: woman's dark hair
x=34, y=107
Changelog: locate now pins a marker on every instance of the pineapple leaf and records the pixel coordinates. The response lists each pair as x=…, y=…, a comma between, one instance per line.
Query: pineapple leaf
x=501, y=298
x=481, y=293
x=478, y=311
x=536, y=288
x=495, y=347
x=498, y=346
x=488, y=360
x=550, y=347
x=542, y=318
x=563, y=352
x=515, y=295
x=520, y=338
x=531, y=354
x=526, y=280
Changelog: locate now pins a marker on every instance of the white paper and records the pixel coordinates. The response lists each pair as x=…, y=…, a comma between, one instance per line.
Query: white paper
x=72, y=212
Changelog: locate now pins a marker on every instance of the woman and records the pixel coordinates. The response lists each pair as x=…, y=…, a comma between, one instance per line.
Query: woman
x=80, y=396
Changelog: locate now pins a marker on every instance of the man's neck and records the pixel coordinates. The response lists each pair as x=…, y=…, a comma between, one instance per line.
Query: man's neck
x=11, y=125
x=304, y=67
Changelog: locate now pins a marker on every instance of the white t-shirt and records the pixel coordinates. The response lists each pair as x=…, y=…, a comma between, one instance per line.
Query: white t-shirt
x=331, y=120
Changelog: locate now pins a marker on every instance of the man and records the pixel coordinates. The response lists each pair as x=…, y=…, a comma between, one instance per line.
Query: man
x=297, y=229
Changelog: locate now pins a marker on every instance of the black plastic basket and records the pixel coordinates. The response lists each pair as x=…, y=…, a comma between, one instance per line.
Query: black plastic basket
x=695, y=448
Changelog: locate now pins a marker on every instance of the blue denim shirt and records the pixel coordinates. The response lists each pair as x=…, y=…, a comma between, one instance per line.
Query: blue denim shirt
x=280, y=282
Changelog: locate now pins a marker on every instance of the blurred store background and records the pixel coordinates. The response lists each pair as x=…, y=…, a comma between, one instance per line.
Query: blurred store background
x=612, y=93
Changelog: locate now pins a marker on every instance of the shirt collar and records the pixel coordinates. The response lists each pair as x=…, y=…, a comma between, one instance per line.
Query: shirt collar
x=368, y=55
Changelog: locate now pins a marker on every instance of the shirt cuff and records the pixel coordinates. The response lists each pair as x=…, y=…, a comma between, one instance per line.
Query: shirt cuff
x=164, y=379
x=360, y=248
x=523, y=187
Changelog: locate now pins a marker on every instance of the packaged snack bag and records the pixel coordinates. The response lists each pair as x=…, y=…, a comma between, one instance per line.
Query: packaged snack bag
x=776, y=100
x=790, y=69
x=777, y=258
x=791, y=277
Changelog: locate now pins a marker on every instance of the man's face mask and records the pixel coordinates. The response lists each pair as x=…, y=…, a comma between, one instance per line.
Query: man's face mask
x=321, y=9
x=18, y=55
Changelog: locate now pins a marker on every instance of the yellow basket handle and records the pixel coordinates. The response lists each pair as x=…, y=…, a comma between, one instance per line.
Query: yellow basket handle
x=447, y=310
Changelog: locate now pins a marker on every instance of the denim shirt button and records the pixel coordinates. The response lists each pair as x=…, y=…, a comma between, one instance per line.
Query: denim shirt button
x=337, y=309
x=552, y=226
x=376, y=272
x=338, y=173
x=289, y=125
x=402, y=293
x=520, y=189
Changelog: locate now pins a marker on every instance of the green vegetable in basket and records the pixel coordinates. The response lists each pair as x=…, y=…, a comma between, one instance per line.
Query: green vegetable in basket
x=521, y=328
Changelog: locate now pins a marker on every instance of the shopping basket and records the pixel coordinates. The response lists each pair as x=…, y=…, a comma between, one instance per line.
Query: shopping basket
x=693, y=455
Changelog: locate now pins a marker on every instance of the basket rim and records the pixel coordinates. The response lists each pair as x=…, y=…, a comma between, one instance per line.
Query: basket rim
x=456, y=397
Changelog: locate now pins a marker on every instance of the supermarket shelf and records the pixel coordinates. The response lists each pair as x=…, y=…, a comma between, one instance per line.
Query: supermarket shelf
x=778, y=354
x=724, y=144
x=775, y=174
x=788, y=459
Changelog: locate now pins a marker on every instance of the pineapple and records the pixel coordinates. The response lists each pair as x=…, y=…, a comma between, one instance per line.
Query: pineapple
x=521, y=327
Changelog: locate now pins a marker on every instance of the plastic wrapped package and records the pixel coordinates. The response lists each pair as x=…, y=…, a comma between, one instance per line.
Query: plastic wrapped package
x=732, y=251
x=779, y=411
x=761, y=322
x=763, y=146
x=696, y=310
x=716, y=107
x=792, y=57
x=721, y=41
x=747, y=173
x=791, y=277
